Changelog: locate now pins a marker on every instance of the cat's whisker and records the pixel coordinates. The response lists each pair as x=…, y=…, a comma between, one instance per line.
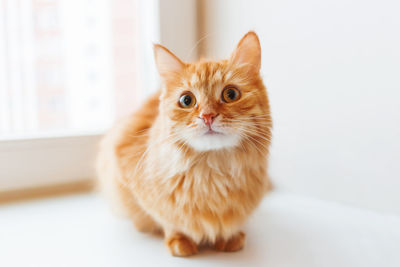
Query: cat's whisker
x=266, y=138
x=246, y=126
x=255, y=132
x=254, y=146
x=261, y=119
x=255, y=140
x=252, y=142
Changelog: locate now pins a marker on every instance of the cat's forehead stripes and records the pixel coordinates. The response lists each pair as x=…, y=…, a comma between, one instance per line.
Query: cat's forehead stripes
x=206, y=74
x=209, y=76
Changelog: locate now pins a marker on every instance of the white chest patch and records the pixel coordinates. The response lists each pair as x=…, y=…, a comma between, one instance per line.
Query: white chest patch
x=208, y=142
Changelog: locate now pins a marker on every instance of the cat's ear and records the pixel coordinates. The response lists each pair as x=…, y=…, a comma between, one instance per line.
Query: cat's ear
x=248, y=52
x=168, y=65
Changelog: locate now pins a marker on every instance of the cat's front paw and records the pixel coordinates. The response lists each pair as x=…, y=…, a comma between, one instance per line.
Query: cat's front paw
x=235, y=243
x=180, y=245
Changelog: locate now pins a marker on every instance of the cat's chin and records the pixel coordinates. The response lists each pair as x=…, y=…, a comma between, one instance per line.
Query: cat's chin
x=214, y=141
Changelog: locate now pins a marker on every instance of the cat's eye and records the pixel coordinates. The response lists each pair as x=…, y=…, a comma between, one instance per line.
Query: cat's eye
x=230, y=94
x=187, y=100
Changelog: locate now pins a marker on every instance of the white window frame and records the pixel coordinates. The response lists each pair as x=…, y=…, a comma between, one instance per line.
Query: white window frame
x=53, y=160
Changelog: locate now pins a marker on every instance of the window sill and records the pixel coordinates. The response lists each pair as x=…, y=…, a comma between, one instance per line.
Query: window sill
x=286, y=230
x=42, y=162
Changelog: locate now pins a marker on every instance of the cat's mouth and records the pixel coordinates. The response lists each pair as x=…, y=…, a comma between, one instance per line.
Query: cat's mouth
x=212, y=132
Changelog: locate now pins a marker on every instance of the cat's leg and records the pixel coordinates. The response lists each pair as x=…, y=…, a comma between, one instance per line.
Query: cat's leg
x=234, y=243
x=179, y=244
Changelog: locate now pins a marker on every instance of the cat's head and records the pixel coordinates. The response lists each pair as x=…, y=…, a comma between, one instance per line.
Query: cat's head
x=212, y=105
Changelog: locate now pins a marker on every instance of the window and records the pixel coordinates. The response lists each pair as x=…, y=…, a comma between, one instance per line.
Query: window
x=68, y=69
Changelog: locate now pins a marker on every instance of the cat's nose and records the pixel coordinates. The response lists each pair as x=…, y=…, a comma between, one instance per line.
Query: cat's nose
x=208, y=118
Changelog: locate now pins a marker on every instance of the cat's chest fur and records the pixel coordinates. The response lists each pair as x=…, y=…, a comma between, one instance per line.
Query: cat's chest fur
x=214, y=172
x=206, y=195
x=214, y=181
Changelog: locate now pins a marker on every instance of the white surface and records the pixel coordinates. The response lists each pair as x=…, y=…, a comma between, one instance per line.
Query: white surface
x=285, y=231
x=332, y=70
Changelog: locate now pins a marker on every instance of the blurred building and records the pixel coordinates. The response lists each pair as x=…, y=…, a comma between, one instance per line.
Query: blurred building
x=63, y=67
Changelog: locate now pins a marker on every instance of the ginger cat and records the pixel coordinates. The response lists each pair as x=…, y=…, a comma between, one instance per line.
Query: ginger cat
x=191, y=163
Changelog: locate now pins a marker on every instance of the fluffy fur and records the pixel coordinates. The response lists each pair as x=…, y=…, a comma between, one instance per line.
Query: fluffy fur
x=164, y=168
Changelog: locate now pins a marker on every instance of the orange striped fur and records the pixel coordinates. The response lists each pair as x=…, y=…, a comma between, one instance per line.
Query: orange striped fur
x=169, y=173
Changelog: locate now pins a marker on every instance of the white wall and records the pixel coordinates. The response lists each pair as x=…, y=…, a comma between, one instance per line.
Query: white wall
x=178, y=28
x=332, y=69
